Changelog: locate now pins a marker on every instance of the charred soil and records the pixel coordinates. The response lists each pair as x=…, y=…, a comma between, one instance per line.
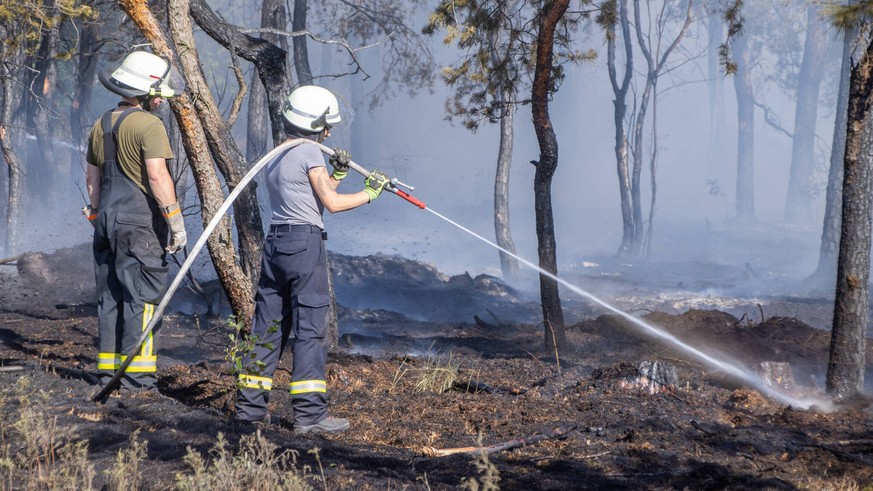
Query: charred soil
x=414, y=386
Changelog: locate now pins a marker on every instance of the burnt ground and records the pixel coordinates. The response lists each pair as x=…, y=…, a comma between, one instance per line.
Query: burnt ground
x=705, y=431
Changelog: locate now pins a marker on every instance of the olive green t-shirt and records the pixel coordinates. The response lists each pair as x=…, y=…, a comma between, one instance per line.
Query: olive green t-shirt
x=141, y=136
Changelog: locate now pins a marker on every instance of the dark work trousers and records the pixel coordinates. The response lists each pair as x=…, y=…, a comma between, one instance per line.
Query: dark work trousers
x=130, y=266
x=291, y=305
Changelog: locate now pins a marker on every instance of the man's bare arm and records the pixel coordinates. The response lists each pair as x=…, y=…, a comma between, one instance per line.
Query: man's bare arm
x=325, y=188
x=93, y=177
x=161, y=183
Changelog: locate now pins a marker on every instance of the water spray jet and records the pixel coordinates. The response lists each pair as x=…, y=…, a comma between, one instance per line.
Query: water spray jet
x=729, y=368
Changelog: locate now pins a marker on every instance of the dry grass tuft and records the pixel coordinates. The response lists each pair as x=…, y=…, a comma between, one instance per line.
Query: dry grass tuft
x=437, y=374
x=257, y=465
x=34, y=452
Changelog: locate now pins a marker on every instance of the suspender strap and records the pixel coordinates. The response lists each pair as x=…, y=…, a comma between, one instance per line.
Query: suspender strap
x=110, y=133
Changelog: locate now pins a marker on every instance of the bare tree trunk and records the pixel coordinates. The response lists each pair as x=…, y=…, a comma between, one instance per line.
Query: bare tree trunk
x=502, y=230
x=258, y=139
x=716, y=87
x=650, y=46
x=553, y=315
x=267, y=57
x=257, y=132
x=620, y=111
x=830, y=234
x=636, y=245
x=505, y=101
x=228, y=157
x=653, y=168
x=845, y=377
x=49, y=167
x=799, y=203
x=236, y=283
x=745, y=197
x=301, y=52
x=79, y=114
x=11, y=138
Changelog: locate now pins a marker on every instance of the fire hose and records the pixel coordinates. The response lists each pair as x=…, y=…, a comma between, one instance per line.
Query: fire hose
x=392, y=186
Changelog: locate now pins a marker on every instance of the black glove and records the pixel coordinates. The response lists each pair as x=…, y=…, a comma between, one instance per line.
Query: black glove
x=340, y=159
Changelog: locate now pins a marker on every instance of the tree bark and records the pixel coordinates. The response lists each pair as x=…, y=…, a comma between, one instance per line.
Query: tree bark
x=258, y=140
x=12, y=138
x=49, y=168
x=654, y=65
x=301, y=52
x=745, y=195
x=801, y=186
x=830, y=234
x=553, y=315
x=715, y=87
x=267, y=57
x=220, y=244
x=620, y=111
x=227, y=156
x=845, y=376
x=502, y=229
x=80, y=125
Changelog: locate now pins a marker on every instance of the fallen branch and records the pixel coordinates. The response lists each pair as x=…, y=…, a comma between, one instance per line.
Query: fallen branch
x=472, y=386
x=11, y=259
x=843, y=454
x=515, y=443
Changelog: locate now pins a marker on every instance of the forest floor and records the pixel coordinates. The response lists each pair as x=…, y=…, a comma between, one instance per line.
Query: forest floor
x=587, y=419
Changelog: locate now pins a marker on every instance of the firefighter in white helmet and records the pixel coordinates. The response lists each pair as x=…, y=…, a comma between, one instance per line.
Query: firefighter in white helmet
x=292, y=298
x=136, y=217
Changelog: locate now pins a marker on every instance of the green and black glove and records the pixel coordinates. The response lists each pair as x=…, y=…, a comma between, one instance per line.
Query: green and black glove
x=374, y=183
x=340, y=162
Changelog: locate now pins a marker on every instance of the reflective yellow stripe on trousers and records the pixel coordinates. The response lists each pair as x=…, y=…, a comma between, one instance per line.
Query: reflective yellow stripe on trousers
x=108, y=361
x=304, y=386
x=147, y=361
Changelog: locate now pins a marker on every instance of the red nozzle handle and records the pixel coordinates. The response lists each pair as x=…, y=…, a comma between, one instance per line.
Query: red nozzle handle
x=409, y=197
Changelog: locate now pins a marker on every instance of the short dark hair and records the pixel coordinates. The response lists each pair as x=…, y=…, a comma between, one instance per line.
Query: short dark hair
x=295, y=132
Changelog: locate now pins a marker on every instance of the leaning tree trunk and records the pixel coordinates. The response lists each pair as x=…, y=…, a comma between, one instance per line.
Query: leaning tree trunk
x=502, y=230
x=553, y=315
x=799, y=203
x=227, y=156
x=619, y=111
x=236, y=283
x=845, y=377
x=301, y=52
x=11, y=139
x=505, y=102
x=830, y=234
x=745, y=201
x=273, y=16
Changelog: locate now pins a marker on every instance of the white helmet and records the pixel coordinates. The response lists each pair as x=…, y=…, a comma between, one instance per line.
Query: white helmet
x=311, y=108
x=140, y=74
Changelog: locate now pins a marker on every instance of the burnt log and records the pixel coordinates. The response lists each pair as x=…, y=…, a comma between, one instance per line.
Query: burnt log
x=776, y=374
x=653, y=377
